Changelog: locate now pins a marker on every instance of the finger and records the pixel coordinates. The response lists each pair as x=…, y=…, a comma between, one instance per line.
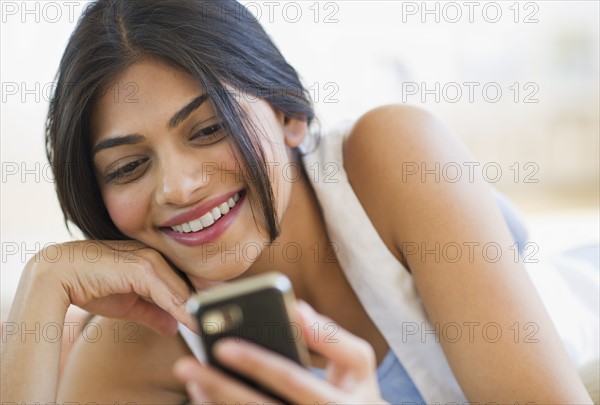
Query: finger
x=185, y=369
x=208, y=383
x=163, y=297
x=156, y=280
x=275, y=372
x=117, y=287
x=345, y=350
x=154, y=317
x=132, y=307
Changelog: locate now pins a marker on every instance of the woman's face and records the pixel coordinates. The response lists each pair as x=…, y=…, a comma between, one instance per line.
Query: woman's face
x=168, y=175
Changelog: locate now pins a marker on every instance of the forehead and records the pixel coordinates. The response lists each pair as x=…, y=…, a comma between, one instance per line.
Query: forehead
x=143, y=95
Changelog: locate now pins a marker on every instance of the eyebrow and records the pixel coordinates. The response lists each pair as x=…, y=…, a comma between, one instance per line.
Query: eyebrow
x=132, y=139
x=186, y=111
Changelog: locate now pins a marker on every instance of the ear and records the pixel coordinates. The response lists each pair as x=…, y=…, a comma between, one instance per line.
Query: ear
x=294, y=130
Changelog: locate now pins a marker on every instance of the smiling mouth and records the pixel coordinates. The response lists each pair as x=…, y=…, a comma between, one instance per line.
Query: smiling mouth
x=210, y=218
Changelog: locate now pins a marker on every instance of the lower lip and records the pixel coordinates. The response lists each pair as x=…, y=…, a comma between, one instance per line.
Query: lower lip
x=211, y=233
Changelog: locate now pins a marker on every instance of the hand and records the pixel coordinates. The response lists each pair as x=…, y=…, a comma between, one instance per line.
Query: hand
x=350, y=376
x=123, y=279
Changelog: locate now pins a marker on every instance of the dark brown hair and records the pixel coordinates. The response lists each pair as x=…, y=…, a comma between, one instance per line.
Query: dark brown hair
x=218, y=42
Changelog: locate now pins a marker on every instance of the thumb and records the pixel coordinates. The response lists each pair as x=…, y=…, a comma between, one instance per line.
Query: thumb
x=345, y=350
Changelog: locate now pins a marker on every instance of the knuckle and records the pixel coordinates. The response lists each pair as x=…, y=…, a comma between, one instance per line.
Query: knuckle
x=151, y=255
x=142, y=276
x=178, y=302
x=145, y=265
x=139, y=285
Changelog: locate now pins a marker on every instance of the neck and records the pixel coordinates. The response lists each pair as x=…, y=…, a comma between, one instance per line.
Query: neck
x=302, y=251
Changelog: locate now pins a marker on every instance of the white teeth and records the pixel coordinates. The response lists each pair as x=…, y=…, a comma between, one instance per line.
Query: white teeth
x=224, y=208
x=209, y=218
x=196, y=225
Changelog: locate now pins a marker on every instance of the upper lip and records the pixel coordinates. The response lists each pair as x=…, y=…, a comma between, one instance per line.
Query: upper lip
x=198, y=211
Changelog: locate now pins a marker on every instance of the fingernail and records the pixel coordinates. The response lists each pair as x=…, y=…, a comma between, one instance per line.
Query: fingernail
x=306, y=309
x=194, y=391
x=181, y=367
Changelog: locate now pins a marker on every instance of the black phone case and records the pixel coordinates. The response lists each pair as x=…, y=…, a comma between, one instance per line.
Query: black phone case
x=264, y=321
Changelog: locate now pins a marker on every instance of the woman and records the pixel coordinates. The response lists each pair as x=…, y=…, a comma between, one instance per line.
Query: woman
x=171, y=135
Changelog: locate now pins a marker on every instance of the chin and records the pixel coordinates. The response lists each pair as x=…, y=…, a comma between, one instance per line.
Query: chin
x=214, y=263
x=211, y=277
x=205, y=282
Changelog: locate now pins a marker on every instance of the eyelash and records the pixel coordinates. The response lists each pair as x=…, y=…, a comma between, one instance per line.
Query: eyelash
x=121, y=174
x=211, y=135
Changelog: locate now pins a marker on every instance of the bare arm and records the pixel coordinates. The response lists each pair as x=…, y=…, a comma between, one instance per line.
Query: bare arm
x=113, y=286
x=30, y=363
x=123, y=362
x=471, y=290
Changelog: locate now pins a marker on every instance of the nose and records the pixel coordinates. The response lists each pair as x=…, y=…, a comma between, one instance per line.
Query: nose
x=181, y=179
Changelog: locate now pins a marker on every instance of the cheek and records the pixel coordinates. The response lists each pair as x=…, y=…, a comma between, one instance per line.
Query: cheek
x=127, y=211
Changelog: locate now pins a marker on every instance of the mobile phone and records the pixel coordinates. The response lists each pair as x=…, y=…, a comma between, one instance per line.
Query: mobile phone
x=257, y=309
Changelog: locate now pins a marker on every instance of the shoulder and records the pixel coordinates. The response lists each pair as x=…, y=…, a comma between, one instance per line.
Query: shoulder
x=382, y=156
x=443, y=222
x=391, y=131
x=398, y=113
x=115, y=360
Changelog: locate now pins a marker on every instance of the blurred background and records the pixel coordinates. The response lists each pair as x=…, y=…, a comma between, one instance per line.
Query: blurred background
x=518, y=82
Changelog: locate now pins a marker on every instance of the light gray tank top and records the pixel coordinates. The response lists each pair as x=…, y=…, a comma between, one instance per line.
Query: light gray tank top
x=384, y=287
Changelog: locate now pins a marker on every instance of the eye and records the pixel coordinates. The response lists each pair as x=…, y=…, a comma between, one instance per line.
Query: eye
x=126, y=172
x=209, y=135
